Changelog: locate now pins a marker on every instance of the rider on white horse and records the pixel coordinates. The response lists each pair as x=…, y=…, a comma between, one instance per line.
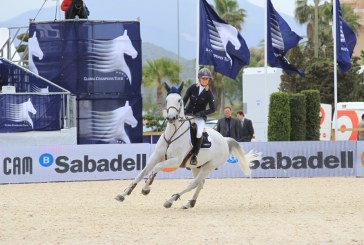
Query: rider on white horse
x=199, y=96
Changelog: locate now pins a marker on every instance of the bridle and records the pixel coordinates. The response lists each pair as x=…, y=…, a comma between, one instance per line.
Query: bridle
x=173, y=137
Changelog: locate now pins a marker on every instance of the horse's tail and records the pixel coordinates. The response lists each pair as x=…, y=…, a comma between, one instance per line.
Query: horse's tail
x=243, y=158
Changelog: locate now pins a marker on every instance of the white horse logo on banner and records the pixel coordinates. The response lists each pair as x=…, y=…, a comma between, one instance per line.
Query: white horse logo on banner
x=108, y=55
x=221, y=34
x=108, y=126
x=34, y=50
x=35, y=89
x=20, y=112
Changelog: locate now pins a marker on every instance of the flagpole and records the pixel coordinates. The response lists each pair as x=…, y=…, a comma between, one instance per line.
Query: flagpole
x=266, y=63
x=335, y=66
x=266, y=35
x=197, y=37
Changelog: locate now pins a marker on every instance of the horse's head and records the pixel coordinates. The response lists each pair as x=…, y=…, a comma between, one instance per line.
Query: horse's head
x=34, y=48
x=30, y=108
x=126, y=45
x=174, y=101
x=129, y=117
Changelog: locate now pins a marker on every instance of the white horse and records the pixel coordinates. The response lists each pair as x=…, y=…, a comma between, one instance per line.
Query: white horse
x=34, y=50
x=173, y=150
x=108, y=126
x=108, y=55
x=20, y=112
x=221, y=34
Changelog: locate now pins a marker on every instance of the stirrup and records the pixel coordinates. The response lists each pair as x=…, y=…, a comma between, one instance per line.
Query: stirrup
x=193, y=160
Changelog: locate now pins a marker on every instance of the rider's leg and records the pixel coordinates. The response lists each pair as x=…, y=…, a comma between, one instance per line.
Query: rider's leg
x=200, y=123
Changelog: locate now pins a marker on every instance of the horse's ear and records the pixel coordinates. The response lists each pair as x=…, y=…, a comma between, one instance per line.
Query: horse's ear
x=180, y=87
x=127, y=103
x=167, y=86
x=125, y=33
x=35, y=34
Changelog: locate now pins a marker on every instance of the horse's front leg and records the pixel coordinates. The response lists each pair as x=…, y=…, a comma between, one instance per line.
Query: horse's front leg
x=169, y=163
x=154, y=159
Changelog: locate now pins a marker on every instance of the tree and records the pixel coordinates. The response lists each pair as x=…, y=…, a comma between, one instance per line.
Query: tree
x=320, y=71
x=155, y=72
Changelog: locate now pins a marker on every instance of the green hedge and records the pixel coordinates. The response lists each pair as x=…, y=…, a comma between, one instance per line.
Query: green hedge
x=312, y=114
x=279, y=117
x=297, y=104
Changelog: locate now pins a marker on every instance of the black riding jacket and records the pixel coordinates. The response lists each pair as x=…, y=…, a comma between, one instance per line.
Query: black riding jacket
x=198, y=102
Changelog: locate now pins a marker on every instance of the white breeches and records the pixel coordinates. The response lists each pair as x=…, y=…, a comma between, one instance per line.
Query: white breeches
x=200, y=123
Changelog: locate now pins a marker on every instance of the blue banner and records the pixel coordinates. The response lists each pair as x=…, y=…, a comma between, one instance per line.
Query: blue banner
x=101, y=63
x=30, y=113
x=221, y=45
x=88, y=56
x=110, y=121
x=346, y=41
x=280, y=39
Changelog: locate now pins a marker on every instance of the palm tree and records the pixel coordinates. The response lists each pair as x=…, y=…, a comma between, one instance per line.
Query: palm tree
x=309, y=14
x=229, y=11
x=319, y=19
x=155, y=71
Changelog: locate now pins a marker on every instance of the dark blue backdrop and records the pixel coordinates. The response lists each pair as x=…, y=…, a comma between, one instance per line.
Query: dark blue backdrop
x=98, y=61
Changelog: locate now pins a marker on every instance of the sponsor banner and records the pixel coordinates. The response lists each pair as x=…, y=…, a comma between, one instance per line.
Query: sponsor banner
x=125, y=161
x=360, y=159
x=30, y=113
x=110, y=121
x=303, y=158
x=72, y=162
x=88, y=57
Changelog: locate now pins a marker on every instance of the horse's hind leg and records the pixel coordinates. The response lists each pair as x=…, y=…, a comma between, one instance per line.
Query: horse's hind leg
x=191, y=203
x=197, y=182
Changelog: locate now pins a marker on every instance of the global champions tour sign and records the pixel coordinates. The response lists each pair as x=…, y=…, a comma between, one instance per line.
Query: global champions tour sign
x=99, y=62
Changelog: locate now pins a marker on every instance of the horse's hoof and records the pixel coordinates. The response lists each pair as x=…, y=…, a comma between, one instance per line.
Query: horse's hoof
x=145, y=192
x=184, y=207
x=119, y=198
x=167, y=204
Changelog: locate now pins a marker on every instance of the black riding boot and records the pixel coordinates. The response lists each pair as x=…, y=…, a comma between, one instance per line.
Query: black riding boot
x=195, y=151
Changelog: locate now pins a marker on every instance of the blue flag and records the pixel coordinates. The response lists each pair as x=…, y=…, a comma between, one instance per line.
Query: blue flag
x=346, y=41
x=280, y=39
x=221, y=45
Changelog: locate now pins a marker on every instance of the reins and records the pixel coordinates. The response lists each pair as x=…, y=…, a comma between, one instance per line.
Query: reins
x=171, y=139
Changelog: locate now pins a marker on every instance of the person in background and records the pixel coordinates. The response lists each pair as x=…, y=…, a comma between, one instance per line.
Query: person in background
x=246, y=130
x=198, y=97
x=361, y=127
x=65, y=5
x=228, y=126
x=78, y=8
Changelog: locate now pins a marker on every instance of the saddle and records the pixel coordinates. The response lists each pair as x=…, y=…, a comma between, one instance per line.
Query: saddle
x=206, y=143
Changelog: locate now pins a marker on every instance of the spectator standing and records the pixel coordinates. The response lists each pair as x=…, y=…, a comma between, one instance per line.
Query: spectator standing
x=246, y=130
x=228, y=126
